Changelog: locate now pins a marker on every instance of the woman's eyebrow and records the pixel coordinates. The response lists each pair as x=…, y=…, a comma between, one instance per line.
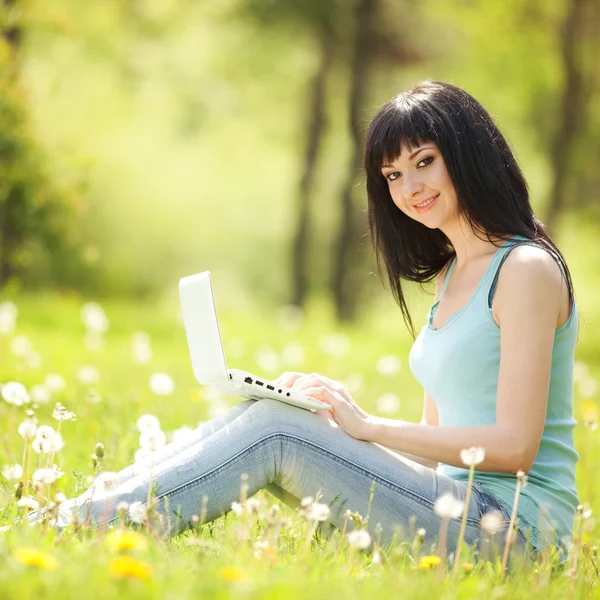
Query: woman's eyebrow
x=412, y=155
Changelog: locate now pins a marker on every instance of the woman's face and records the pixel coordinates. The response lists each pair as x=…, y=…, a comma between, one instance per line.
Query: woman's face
x=418, y=175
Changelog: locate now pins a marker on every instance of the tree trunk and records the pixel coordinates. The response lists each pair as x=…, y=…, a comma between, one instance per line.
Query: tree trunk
x=347, y=258
x=316, y=128
x=569, y=117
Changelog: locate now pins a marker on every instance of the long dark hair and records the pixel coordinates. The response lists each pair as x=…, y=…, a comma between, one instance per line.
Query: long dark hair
x=492, y=193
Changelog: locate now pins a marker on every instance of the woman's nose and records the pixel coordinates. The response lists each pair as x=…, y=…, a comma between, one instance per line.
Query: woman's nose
x=412, y=186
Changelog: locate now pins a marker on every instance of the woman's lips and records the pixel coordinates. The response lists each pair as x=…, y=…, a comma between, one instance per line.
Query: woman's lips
x=428, y=207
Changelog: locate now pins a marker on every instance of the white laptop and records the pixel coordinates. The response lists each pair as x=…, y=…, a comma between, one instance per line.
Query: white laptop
x=208, y=357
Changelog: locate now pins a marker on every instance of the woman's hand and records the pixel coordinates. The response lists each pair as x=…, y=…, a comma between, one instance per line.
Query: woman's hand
x=345, y=411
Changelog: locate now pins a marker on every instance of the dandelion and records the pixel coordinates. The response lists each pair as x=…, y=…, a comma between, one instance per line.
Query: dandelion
x=253, y=505
x=58, y=472
x=12, y=472
x=122, y=539
x=88, y=375
x=448, y=507
x=492, y=522
x=318, y=512
x=359, y=538
x=467, y=567
x=232, y=574
x=94, y=318
x=161, y=384
x=107, y=482
x=387, y=403
x=427, y=562
x=148, y=423
x=40, y=394
x=521, y=482
x=20, y=346
x=267, y=359
x=60, y=413
x=47, y=440
x=306, y=501
x=237, y=508
x=15, y=393
x=389, y=365
x=130, y=567
x=138, y=512
x=55, y=382
x=182, y=434
x=27, y=430
x=43, y=477
x=28, y=502
x=335, y=344
x=60, y=498
x=472, y=456
x=36, y=558
x=152, y=439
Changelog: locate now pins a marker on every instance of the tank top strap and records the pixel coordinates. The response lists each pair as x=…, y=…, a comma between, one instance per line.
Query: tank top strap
x=502, y=255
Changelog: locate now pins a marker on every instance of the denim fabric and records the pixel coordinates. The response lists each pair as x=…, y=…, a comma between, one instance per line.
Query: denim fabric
x=292, y=453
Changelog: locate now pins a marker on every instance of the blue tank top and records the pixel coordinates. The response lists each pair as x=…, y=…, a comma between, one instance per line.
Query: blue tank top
x=458, y=364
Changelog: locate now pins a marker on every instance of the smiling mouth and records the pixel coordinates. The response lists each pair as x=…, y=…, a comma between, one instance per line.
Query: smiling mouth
x=426, y=203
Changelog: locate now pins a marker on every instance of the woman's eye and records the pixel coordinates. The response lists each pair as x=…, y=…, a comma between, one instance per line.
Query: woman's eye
x=395, y=174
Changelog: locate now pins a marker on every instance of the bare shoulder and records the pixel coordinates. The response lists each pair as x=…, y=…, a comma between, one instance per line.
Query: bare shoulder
x=531, y=276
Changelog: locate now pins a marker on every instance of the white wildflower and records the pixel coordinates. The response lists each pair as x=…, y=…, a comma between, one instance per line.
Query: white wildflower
x=107, y=482
x=237, y=508
x=318, y=512
x=448, y=507
x=267, y=359
x=492, y=521
x=359, y=538
x=43, y=477
x=27, y=430
x=60, y=498
x=47, y=440
x=152, y=439
x=12, y=472
x=161, y=384
x=252, y=505
x=421, y=532
x=55, y=382
x=138, y=512
x=40, y=394
x=20, y=346
x=88, y=375
x=94, y=317
x=147, y=423
x=335, y=344
x=28, y=502
x=306, y=501
x=389, y=365
x=60, y=413
x=472, y=456
x=58, y=472
x=387, y=403
x=15, y=393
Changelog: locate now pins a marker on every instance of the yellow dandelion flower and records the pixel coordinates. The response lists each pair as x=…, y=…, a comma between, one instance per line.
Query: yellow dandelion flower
x=36, y=558
x=427, y=562
x=124, y=539
x=232, y=574
x=468, y=567
x=127, y=566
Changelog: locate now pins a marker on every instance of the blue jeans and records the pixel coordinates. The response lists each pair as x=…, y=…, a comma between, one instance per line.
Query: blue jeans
x=293, y=453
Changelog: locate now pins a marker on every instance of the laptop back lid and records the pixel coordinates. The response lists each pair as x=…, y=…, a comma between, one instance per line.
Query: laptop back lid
x=202, y=329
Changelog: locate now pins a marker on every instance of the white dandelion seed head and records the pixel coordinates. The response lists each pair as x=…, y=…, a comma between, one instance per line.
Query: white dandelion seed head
x=15, y=393
x=107, y=482
x=94, y=318
x=88, y=375
x=11, y=472
x=43, y=477
x=290, y=317
x=148, y=423
x=20, y=346
x=122, y=506
x=138, y=512
x=359, y=538
x=318, y=512
x=389, y=365
x=143, y=458
x=522, y=478
x=421, y=532
x=60, y=498
x=448, y=507
x=292, y=354
x=27, y=430
x=492, y=521
x=55, y=382
x=28, y=502
x=182, y=434
x=267, y=359
x=387, y=403
x=60, y=413
x=336, y=345
x=306, y=501
x=152, y=439
x=58, y=472
x=161, y=384
x=40, y=394
x=472, y=456
x=253, y=505
x=237, y=508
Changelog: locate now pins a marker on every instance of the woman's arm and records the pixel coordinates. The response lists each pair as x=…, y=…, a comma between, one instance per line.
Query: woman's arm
x=528, y=310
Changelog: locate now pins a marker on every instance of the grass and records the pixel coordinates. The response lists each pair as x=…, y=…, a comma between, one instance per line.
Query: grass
x=227, y=557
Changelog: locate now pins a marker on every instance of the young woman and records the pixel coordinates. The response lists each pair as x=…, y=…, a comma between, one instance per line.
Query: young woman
x=447, y=201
